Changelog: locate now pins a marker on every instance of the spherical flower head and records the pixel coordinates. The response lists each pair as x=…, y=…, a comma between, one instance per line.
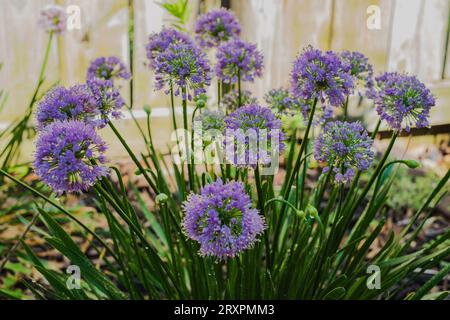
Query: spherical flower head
x=230, y=101
x=159, y=42
x=344, y=147
x=237, y=58
x=216, y=27
x=322, y=76
x=53, y=19
x=403, y=101
x=75, y=103
x=282, y=102
x=361, y=71
x=65, y=152
x=253, y=136
x=108, y=100
x=183, y=66
x=107, y=68
x=222, y=220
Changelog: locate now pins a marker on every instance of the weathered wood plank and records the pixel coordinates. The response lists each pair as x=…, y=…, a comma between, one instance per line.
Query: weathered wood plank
x=351, y=32
x=22, y=51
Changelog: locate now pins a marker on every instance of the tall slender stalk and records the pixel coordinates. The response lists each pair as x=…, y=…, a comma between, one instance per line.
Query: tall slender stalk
x=219, y=94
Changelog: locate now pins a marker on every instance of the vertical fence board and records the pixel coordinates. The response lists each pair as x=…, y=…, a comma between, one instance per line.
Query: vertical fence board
x=104, y=32
x=412, y=38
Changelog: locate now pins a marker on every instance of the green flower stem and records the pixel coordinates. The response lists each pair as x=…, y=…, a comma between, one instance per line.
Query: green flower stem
x=133, y=157
x=157, y=262
x=59, y=207
x=346, y=109
x=365, y=219
x=291, y=177
x=377, y=127
x=376, y=173
x=261, y=209
x=355, y=181
x=174, y=120
x=219, y=96
x=290, y=158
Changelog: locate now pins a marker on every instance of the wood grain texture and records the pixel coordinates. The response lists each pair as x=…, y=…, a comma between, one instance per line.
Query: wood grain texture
x=412, y=38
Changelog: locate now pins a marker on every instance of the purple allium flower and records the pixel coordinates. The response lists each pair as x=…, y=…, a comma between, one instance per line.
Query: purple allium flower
x=282, y=102
x=159, y=42
x=238, y=58
x=183, y=66
x=344, y=146
x=322, y=76
x=53, y=19
x=107, y=68
x=64, y=154
x=108, y=99
x=230, y=101
x=253, y=136
x=222, y=220
x=75, y=103
x=216, y=27
x=403, y=101
x=361, y=71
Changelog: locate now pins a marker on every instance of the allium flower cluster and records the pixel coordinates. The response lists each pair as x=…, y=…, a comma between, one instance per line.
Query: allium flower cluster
x=108, y=100
x=185, y=67
x=216, y=27
x=403, y=101
x=361, y=71
x=75, y=103
x=282, y=102
x=53, y=19
x=222, y=220
x=253, y=136
x=107, y=68
x=159, y=42
x=322, y=76
x=344, y=147
x=238, y=59
x=230, y=101
x=64, y=154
